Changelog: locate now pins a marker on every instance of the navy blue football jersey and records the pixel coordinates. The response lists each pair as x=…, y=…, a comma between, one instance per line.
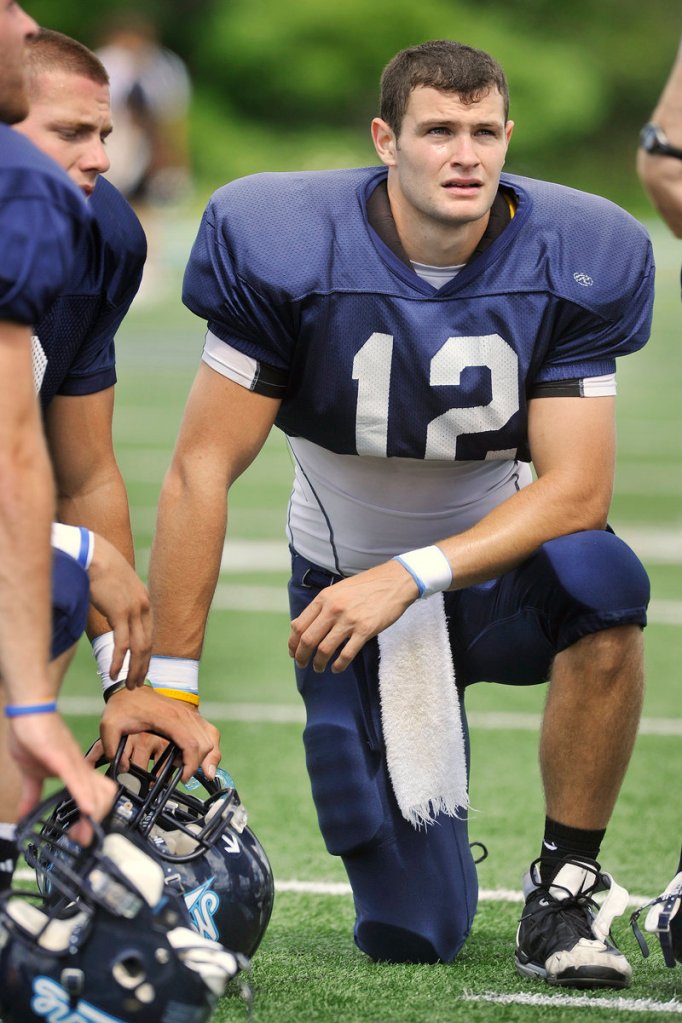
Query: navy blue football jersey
x=44, y=223
x=77, y=333
x=370, y=359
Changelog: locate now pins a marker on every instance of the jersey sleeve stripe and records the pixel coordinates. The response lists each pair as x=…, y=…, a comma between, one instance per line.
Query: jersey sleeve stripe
x=244, y=369
x=583, y=387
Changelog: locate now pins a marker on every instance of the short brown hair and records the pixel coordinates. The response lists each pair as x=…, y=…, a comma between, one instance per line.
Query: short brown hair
x=49, y=51
x=439, y=64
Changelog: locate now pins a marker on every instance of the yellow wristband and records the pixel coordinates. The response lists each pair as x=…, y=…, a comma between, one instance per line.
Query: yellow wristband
x=178, y=694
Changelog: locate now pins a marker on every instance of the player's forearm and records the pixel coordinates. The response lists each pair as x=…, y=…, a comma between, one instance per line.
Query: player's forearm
x=26, y=510
x=103, y=508
x=185, y=563
x=572, y=441
x=661, y=175
x=554, y=505
x=668, y=111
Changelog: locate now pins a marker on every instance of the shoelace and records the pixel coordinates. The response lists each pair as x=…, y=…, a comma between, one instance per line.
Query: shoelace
x=572, y=906
x=572, y=902
x=612, y=906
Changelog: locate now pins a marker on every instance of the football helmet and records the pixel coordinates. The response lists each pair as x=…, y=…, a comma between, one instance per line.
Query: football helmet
x=111, y=942
x=664, y=918
x=199, y=831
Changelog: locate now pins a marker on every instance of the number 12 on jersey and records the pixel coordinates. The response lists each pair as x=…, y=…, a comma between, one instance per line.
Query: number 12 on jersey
x=372, y=370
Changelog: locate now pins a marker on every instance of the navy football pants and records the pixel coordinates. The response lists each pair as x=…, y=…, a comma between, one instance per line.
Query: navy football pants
x=415, y=891
x=70, y=602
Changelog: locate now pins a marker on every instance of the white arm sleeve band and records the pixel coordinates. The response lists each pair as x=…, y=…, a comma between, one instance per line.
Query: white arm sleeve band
x=76, y=541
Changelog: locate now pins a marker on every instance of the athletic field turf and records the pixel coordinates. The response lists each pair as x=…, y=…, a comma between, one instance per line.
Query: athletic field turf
x=308, y=968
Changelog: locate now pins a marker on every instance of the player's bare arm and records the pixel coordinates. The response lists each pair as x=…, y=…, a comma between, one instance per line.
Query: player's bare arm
x=661, y=174
x=223, y=429
x=26, y=502
x=90, y=488
x=121, y=597
x=41, y=744
x=573, y=447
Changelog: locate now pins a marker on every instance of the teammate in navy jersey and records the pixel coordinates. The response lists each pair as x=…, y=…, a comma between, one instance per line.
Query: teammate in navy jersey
x=74, y=366
x=43, y=221
x=69, y=119
x=419, y=331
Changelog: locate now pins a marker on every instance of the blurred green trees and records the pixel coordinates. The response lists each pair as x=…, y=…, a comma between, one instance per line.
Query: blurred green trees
x=293, y=83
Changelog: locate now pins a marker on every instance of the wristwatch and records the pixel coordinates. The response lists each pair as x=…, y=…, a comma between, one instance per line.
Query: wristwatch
x=653, y=140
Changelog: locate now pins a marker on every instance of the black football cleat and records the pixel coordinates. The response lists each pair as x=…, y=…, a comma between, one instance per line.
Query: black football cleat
x=564, y=935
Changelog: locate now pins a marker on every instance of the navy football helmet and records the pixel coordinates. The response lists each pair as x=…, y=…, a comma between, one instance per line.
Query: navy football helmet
x=199, y=831
x=664, y=918
x=109, y=941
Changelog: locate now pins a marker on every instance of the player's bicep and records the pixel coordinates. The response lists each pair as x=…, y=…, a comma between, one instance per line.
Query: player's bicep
x=224, y=426
x=574, y=439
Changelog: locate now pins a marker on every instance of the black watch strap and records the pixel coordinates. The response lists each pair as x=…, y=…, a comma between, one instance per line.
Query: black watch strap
x=653, y=140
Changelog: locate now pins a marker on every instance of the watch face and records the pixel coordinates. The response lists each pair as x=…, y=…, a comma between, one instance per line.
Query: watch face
x=653, y=139
x=649, y=138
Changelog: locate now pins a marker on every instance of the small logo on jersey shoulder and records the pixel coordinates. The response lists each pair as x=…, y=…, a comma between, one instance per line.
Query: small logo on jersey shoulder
x=584, y=280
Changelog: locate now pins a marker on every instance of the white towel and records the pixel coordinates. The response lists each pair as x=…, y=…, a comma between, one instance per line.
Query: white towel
x=421, y=715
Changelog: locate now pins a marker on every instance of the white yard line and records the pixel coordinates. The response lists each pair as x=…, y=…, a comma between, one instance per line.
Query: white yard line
x=288, y=714
x=342, y=888
x=655, y=545
x=673, y=1007
x=230, y=597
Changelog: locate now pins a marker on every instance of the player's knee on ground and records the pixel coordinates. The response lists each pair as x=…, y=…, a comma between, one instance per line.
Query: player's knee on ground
x=387, y=943
x=415, y=891
x=70, y=602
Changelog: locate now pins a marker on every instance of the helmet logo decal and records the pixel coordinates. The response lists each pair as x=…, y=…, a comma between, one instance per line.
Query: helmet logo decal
x=51, y=1001
x=231, y=843
x=203, y=904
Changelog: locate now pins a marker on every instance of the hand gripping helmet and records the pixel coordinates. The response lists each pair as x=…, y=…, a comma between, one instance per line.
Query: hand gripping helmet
x=199, y=831
x=111, y=943
x=664, y=919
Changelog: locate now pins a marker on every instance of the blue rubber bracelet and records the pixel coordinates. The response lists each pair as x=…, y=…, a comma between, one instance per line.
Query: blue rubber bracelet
x=421, y=585
x=84, y=549
x=18, y=711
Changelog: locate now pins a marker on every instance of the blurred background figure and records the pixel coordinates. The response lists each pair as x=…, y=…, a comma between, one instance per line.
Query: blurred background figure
x=150, y=93
x=149, y=150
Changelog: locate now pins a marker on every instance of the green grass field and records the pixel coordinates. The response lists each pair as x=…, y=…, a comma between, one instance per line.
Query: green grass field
x=308, y=968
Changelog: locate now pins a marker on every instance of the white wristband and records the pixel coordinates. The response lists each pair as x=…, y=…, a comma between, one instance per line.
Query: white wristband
x=103, y=649
x=76, y=541
x=429, y=568
x=180, y=674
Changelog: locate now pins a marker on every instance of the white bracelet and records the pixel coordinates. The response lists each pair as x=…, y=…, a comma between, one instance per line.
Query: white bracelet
x=429, y=568
x=103, y=649
x=180, y=674
x=76, y=541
